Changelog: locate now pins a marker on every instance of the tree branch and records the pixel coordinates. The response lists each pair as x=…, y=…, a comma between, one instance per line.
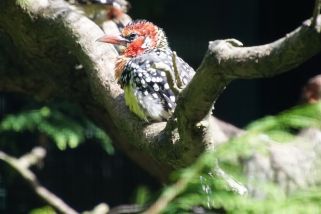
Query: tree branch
x=21, y=166
x=36, y=155
x=131, y=208
x=44, y=62
x=47, y=41
x=231, y=182
x=316, y=12
x=224, y=62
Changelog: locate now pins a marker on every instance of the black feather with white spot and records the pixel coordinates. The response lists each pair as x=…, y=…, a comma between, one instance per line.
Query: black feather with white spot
x=150, y=85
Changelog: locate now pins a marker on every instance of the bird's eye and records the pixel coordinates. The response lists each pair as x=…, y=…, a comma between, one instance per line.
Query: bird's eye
x=132, y=36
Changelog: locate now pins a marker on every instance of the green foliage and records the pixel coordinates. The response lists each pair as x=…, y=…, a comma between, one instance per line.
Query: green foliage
x=204, y=189
x=142, y=195
x=43, y=210
x=213, y=194
x=64, y=125
x=283, y=126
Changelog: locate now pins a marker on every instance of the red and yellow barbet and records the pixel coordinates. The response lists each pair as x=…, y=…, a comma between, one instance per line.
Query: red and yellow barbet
x=142, y=67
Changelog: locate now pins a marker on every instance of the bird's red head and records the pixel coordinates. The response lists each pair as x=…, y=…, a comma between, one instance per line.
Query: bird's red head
x=138, y=37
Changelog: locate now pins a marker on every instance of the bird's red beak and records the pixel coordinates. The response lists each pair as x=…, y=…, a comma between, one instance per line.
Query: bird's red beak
x=113, y=39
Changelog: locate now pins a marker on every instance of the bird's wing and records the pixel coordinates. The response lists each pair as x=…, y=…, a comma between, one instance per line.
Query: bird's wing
x=148, y=80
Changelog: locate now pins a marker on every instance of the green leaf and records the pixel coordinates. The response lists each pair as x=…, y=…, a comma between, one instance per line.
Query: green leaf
x=65, y=126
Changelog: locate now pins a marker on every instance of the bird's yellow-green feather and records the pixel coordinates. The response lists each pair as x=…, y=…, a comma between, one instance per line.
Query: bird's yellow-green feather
x=132, y=102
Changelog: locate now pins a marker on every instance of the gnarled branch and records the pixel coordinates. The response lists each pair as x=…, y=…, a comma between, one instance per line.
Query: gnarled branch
x=224, y=62
x=46, y=42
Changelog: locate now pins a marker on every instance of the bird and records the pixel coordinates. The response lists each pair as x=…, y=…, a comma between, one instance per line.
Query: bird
x=102, y=10
x=311, y=92
x=144, y=68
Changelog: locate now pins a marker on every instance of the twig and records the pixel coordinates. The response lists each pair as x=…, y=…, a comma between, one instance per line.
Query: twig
x=122, y=209
x=177, y=76
x=231, y=182
x=177, y=188
x=316, y=12
x=21, y=166
x=173, y=78
x=34, y=157
x=170, y=77
x=99, y=209
x=170, y=193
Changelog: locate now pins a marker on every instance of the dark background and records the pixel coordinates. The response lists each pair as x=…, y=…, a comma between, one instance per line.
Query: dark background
x=86, y=176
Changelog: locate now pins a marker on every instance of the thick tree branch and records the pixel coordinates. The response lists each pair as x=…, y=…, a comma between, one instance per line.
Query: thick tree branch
x=45, y=43
x=44, y=46
x=224, y=62
x=292, y=166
